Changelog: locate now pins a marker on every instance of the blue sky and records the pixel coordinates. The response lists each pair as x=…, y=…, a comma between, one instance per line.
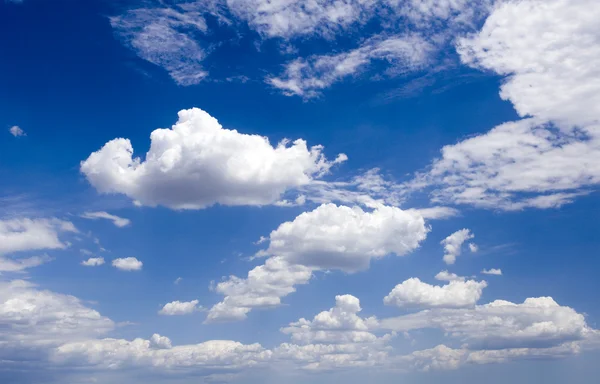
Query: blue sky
x=312, y=191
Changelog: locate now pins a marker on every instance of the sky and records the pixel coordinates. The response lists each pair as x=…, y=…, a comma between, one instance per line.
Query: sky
x=309, y=191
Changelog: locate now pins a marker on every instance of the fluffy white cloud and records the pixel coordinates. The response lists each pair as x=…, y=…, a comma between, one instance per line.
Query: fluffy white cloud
x=447, y=276
x=18, y=235
x=118, y=221
x=160, y=342
x=492, y=271
x=179, y=308
x=16, y=131
x=127, y=264
x=549, y=158
x=346, y=238
x=415, y=293
x=453, y=244
x=536, y=323
x=306, y=77
x=198, y=163
x=93, y=262
x=329, y=237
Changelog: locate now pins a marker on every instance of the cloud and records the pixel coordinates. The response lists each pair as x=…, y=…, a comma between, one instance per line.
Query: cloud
x=492, y=271
x=178, y=280
x=19, y=235
x=118, y=221
x=447, y=276
x=16, y=131
x=473, y=247
x=453, y=244
x=160, y=342
x=306, y=77
x=536, y=323
x=165, y=37
x=93, y=262
x=179, y=308
x=415, y=293
x=548, y=158
x=198, y=163
x=127, y=264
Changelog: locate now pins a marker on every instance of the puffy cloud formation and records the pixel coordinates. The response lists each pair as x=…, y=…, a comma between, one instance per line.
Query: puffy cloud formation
x=16, y=131
x=548, y=158
x=127, y=264
x=453, y=244
x=306, y=77
x=347, y=238
x=536, y=323
x=93, y=262
x=118, y=221
x=415, y=293
x=198, y=163
x=160, y=342
x=447, y=276
x=337, y=338
x=492, y=271
x=179, y=308
x=329, y=237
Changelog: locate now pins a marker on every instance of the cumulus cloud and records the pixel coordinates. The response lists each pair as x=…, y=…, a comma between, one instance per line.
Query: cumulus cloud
x=16, y=131
x=492, y=271
x=117, y=221
x=329, y=237
x=127, y=264
x=306, y=77
x=93, y=262
x=548, y=158
x=447, y=276
x=536, y=323
x=198, y=163
x=453, y=244
x=415, y=293
x=179, y=308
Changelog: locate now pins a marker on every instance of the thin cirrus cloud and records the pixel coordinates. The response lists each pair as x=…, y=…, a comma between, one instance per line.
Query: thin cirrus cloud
x=117, y=221
x=413, y=293
x=127, y=264
x=198, y=163
x=330, y=237
x=548, y=158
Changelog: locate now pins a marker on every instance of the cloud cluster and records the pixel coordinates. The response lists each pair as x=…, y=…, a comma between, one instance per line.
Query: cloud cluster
x=330, y=237
x=198, y=163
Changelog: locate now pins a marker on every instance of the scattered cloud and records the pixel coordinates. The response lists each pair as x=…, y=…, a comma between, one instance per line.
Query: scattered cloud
x=93, y=262
x=178, y=280
x=413, y=293
x=453, y=244
x=492, y=271
x=127, y=264
x=16, y=131
x=447, y=276
x=179, y=308
x=118, y=221
x=198, y=163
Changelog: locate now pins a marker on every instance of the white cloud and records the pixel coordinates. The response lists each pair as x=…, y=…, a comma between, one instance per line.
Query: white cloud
x=346, y=238
x=118, y=221
x=329, y=237
x=20, y=264
x=536, y=323
x=447, y=276
x=160, y=342
x=198, y=163
x=473, y=247
x=415, y=293
x=127, y=264
x=179, y=308
x=16, y=131
x=306, y=77
x=19, y=235
x=178, y=280
x=165, y=37
x=93, y=262
x=548, y=158
x=492, y=271
x=453, y=244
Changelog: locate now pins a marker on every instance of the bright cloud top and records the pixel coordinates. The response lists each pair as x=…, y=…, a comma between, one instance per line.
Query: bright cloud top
x=179, y=308
x=127, y=264
x=453, y=245
x=198, y=163
x=415, y=293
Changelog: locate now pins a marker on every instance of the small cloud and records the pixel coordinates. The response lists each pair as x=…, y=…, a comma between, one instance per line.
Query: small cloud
x=180, y=308
x=127, y=264
x=473, y=247
x=93, y=262
x=493, y=271
x=16, y=131
x=86, y=252
x=447, y=276
x=178, y=280
x=118, y=221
